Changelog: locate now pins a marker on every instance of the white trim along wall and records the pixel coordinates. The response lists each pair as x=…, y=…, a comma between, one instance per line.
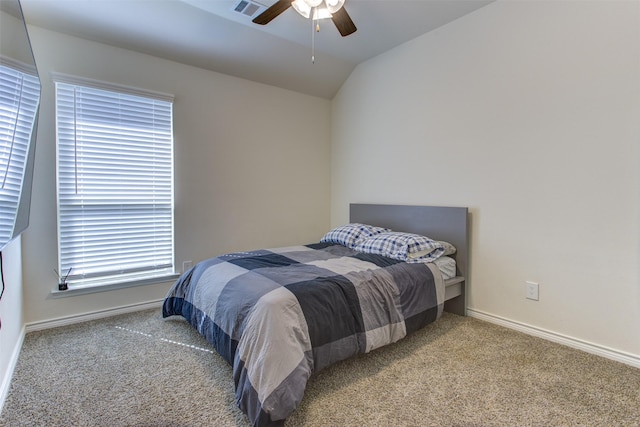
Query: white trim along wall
x=609, y=353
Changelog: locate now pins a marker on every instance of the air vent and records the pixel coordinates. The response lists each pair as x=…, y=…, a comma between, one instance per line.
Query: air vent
x=248, y=7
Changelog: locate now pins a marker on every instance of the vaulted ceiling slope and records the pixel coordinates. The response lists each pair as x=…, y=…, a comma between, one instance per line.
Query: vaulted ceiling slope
x=210, y=34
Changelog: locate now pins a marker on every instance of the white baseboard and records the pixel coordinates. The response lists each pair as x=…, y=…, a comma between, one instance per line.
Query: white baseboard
x=8, y=375
x=609, y=353
x=94, y=315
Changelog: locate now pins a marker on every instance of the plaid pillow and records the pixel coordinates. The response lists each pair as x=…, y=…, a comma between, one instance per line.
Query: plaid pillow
x=407, y=247
x=350, y=235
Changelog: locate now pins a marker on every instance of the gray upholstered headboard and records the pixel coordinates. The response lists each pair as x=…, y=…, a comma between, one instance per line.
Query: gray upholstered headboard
x=439, y=223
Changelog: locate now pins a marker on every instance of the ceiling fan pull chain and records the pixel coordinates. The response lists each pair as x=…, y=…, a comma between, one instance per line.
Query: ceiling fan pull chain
x=313, y=42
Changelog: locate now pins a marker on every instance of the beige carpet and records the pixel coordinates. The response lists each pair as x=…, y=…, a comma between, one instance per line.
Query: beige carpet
x=142, y=370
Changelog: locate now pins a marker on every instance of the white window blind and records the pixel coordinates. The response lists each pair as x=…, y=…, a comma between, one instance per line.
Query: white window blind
x=115, y=185
x=19, y=97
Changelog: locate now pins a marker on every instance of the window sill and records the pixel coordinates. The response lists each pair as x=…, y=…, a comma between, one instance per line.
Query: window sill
x=55, y=293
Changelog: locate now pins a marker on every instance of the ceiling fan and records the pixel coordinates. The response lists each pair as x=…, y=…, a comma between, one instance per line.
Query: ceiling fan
x=317, y=9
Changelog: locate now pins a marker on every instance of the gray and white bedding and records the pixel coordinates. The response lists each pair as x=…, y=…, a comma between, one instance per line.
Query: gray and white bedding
x=279, y=315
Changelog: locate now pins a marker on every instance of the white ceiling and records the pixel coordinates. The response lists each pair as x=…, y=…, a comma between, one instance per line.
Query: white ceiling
x=210, y=35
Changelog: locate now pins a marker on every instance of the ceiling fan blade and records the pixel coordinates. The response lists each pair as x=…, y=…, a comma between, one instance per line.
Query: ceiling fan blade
x=343, y=22
x=272, y=12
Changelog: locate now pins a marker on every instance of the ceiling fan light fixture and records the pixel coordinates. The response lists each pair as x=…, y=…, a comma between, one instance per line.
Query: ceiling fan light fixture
x=322, y=9
x=302, y=8
x=313, y=3
x=334, y=5
x=321, y=13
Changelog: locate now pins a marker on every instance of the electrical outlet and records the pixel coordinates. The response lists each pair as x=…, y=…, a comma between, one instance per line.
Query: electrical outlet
x=532, y=290
x=186, y=265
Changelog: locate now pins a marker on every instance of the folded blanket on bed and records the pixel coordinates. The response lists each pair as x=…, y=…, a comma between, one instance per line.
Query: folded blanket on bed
x=279, y=315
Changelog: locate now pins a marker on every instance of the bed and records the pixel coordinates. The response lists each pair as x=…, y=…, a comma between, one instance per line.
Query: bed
x=279, y=315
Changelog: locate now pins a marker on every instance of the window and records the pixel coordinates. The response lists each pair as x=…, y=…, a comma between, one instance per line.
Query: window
x=115, y=184
x=19, y=97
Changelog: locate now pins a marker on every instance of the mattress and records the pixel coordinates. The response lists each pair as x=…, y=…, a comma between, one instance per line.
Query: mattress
x=447, y=267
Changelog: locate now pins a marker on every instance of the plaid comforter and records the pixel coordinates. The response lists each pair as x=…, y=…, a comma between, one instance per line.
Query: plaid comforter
x=279, y=315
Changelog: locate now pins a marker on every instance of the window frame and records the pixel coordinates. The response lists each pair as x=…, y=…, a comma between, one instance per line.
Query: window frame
x=80, y=283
